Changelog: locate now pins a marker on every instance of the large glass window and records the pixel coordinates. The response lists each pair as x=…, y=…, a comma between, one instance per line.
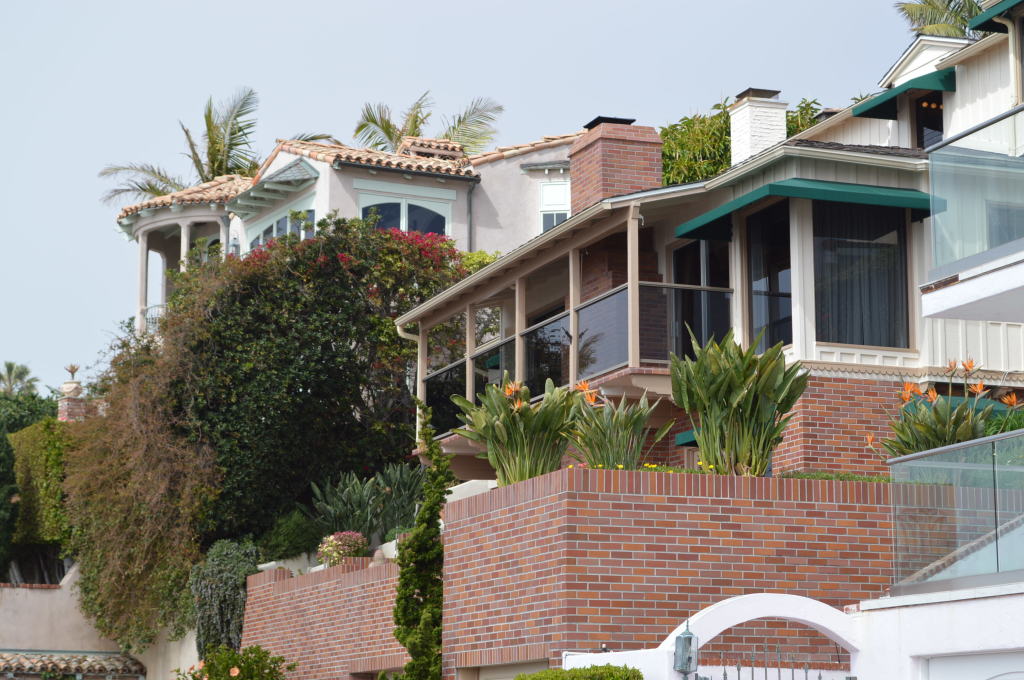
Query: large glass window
x=303, y=228
x=860, y=274
x=408, y=214
x=771, y=285
x=928, y=120
x=554, y=203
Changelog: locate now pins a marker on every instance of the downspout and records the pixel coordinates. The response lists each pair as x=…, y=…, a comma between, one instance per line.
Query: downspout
x=1015, y=57
x=406, y=335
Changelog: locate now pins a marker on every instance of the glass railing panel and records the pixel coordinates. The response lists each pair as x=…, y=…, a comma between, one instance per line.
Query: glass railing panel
x=977, y=209
x=490, y=366
x=944, y=515
x=547, y=354
x=440, y=388
x=666, y=312
x=1009, y=479
x=604, y=334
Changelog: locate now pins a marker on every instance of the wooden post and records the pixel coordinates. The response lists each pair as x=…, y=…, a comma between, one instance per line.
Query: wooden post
x=575, y=282
x=520, y=327
x=633, y=283
x=470, y=349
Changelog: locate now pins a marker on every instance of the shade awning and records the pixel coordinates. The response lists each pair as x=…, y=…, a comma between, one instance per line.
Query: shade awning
x=814, y=189
x=985, y=20
x=884, y=105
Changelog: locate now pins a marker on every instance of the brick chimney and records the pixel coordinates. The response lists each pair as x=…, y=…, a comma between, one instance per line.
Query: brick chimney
x=758, y=122
x=71, y=405
x=613, y=157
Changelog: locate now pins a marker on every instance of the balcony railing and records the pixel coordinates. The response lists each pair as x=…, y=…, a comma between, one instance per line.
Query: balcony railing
x=958, y=515
x=153, y=315
x=977, y=208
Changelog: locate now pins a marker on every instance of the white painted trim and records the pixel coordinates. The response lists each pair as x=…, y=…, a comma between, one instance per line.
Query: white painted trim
x=403, y=190
x=943, y=596
x=250, y=228
x=441, y=207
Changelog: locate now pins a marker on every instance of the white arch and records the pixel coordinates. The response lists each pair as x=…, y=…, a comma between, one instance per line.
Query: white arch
x=711, y=621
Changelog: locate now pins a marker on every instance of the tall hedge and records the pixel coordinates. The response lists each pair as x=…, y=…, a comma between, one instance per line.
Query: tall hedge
x=39, y=452
x=8, y=502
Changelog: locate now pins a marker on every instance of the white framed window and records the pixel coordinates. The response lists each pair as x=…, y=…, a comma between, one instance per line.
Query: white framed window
x=426, y=210
x=554, y=204
x=260, y=231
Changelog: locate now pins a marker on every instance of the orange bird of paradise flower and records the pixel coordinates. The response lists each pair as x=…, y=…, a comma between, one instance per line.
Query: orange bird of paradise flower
x=1010, y=399
x=977, y=388
x=912, y=388
x=968, y=365
x=931, y=395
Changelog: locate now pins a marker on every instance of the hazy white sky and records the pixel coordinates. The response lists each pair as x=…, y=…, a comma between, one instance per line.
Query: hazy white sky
x=84, y=84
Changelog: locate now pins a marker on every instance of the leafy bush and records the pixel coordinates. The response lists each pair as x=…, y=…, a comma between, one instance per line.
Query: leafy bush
x=8, y=503
x=832, y=476
x=610, y=436
x=394, y=533
x=741, y=399
x=523, y=439
x=251, y=663
x=419, y=597
x=19, y=411
x=218, y=590
x=607, y=672
x=335, y=548
x=39, y=470
x=1005, y=422
x=292, y=534
x=372, y=506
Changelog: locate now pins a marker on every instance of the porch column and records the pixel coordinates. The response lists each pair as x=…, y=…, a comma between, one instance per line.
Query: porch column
x=470, y=349
x=421, y=372
x=520, y=327
x=186, y=239
x=225, y=234
x=140, y=317
x=801, y=261
x=738, y=280
x=574, y=319
x=633, y=283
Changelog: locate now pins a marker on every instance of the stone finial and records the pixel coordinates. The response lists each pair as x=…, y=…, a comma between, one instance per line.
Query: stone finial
x=378, y=558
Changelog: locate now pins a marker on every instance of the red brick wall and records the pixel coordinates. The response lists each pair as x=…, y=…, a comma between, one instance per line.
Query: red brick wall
x=334, y=623
x=611, y=160
x=830, y=424
x=578, y=558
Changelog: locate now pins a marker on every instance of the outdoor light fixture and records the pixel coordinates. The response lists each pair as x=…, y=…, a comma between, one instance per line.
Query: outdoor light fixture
x=686, y=652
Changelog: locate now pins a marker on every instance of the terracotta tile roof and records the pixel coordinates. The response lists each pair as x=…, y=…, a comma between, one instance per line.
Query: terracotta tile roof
x=429, y=143
x=509, y=151
x=218, y=190
x=69, y=663
x=329, y=153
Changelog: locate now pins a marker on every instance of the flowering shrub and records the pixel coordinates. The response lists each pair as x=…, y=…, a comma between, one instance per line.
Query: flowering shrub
x=928, y=420
x=339, y=545
x=251, y=663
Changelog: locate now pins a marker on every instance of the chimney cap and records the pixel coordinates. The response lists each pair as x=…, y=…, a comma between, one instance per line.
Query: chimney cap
x=608, y=119
x=759, y=93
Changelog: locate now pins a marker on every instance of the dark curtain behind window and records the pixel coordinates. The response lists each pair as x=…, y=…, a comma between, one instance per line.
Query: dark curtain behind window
x=771, y=285
x=860, y=274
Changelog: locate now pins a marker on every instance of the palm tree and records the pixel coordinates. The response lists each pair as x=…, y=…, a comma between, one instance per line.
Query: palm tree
x=225, y=149
x=472, y=127
x=941, y=17
x=16, y=380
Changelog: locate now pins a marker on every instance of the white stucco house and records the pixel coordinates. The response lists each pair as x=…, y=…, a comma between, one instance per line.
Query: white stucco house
x=492, y=201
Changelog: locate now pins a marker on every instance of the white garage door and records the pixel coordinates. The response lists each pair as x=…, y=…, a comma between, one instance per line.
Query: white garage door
x=1005, y=666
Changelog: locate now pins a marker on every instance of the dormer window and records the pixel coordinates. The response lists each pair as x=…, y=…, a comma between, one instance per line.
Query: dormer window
x=407, y=207
x=928, y=128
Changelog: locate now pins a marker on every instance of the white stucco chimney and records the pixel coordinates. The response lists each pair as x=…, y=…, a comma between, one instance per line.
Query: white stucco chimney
x=758, y=121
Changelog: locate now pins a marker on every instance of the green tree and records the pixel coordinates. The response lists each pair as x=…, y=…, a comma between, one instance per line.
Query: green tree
x=419, y=599
x=218, y=590
x=940, y=17
x=17, y=380
x=20, y=411
x=271, y=372
x=699, y=147
x=225, y=148
x=8, y=502
x=472, y=127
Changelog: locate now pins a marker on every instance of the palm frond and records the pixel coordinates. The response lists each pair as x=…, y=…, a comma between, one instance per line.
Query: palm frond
x=376, y=130
x=414, y=120
x=236, y=122
x=473, y=126
x=947, y=18
x=316, y=137
x=140, y=181
x=193, y=152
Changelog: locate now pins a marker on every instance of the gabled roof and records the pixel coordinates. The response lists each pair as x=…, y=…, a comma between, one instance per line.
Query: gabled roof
x=275, y=187
x=339, y=153
x=503, y=152
x=69, y=663
x=218, y=190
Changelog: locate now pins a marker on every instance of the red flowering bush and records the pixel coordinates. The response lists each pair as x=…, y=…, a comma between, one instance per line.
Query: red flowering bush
x=339, y=545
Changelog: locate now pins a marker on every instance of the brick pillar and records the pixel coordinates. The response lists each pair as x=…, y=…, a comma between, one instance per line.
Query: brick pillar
x=612, y=158
x=71, y=405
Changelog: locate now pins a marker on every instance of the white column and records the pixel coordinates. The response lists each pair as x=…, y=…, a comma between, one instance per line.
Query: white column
x=801, y=262
x=140, y=317
x=633, y=283
x=225, y=236
x=186, y=239
x=574, y=319
x=470, y=349
x=739, y=309
x=520, y=373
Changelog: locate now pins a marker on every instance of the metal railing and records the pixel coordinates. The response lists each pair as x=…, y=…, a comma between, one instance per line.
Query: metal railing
x=153, y=315
x=958, y=515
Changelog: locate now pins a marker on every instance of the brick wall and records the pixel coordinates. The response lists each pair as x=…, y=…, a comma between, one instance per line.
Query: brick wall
x=333, y=623
x=579, y=558
x=830, y=424
x=612, y=159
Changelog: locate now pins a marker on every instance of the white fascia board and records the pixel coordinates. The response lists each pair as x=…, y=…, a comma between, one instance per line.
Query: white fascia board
x=972, y=50
x=920, y=43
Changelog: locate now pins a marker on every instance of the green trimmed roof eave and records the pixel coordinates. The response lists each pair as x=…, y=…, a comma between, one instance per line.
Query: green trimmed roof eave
x=985, y=20
x=884, y=105
x=818, y=190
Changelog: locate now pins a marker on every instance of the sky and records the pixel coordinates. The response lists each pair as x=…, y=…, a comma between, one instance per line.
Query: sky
x=86, y=84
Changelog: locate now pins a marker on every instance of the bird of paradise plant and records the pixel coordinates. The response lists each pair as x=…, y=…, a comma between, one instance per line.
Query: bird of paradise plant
x=612, y=437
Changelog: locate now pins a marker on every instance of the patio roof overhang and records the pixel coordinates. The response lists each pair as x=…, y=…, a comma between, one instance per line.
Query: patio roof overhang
x=884, y=105
x=986, y=20
x=273, y=188
x=717, y=221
